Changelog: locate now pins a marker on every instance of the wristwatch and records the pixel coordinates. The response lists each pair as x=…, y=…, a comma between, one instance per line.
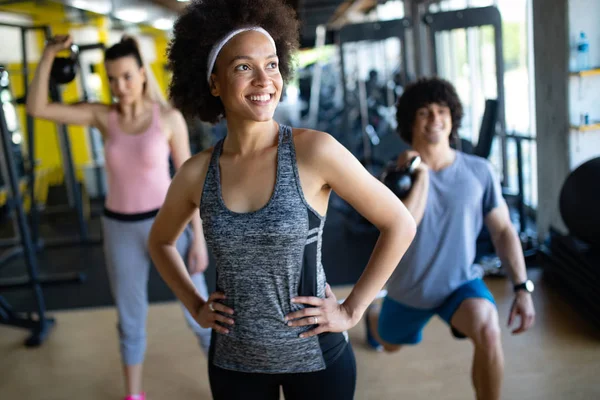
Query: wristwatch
x=527, y=286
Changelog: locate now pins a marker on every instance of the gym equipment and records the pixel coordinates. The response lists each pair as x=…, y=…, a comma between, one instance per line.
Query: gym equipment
x=39, y=325
x=400, y=180
x=95, y=138
x=15, y=245
x=571, y=266
x=487, y=130
x=578, y=203
x=366, y=103
x=64, y=69
x=12, y=245
x=316, y=82
x=372, y=59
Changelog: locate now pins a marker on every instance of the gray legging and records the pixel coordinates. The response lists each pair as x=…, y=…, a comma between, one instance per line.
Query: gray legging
x=128, y=264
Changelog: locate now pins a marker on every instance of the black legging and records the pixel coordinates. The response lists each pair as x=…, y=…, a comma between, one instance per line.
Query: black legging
x=336, y=382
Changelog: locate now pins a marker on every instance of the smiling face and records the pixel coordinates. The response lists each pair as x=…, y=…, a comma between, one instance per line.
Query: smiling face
x=432, y=124
x=247, y=78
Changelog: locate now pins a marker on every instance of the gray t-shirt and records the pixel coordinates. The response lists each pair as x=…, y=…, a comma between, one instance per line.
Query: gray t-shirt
x=440, y=258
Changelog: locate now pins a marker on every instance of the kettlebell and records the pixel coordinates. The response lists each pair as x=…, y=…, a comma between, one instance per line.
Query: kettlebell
x=64, y=69
x=400, y=181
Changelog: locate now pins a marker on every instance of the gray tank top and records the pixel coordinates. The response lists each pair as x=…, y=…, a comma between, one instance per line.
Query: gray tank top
x=263, y=259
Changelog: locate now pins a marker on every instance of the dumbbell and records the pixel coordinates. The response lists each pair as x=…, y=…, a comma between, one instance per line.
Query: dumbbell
x=64, y=69
x=400, y=181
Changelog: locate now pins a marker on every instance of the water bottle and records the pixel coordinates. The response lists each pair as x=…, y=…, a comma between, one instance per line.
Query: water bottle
x=583, y=53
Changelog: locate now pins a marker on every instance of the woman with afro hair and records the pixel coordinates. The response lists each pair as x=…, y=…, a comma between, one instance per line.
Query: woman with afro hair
x=262, y=193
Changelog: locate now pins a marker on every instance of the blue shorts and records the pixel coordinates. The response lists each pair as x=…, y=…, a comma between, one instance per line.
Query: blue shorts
x=400, y=324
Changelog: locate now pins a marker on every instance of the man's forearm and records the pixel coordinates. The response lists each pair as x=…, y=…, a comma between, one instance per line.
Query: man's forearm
x=508, y=247
x=416, y=200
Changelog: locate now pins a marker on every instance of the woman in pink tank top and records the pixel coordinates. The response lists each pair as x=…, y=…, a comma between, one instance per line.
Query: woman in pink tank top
x=140, y=132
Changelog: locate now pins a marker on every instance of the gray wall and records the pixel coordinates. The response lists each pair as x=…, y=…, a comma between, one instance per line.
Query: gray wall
x=551, y=57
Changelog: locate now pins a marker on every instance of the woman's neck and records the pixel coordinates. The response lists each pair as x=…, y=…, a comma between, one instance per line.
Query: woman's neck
x=135, y=109
x=246, y=137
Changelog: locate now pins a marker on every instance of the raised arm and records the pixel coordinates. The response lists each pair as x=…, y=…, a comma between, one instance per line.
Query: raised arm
x=37, y=99
x=416, y=200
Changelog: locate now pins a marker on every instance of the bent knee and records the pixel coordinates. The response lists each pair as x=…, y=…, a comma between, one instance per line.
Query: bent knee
x=488, y=335
x=490, y=332
x=478, y=319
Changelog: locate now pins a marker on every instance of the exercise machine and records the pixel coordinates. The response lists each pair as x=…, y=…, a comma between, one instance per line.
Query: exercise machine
x=37, y=323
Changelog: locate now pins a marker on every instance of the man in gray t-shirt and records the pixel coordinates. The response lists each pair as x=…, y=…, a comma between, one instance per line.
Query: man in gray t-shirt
x=452, y=196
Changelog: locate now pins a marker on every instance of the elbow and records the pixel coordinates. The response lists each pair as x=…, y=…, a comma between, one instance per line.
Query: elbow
x=157, y=245
x=409, y=227
x=507, y=235
x=506, y=238
x=153, y=244
x=31, y=110
x=408, y=221
x=402, y=224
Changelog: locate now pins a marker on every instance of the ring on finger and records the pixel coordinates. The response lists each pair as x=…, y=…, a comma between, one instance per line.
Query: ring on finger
x=210, y=307
x=316, y=320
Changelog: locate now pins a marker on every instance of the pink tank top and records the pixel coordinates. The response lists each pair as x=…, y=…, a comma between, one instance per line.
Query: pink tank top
x=137, y=167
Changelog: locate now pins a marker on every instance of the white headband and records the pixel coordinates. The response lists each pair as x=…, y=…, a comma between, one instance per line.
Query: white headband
x=212, y=57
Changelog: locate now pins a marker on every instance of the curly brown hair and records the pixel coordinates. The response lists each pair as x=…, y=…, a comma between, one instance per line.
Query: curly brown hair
x=202, y=24
x=421, y=93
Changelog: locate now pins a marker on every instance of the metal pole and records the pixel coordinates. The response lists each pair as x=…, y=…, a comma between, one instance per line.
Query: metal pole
x=34, y=216
x=91, y=131
x=521, y=183
x=28, y=247
x=315, y=92
x=501, y=108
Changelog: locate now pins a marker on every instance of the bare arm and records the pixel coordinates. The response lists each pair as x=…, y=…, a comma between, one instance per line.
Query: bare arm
x=416, y=200
x=37, y=98
x=508, y=247
x=168, y=225
x=180, y=152
x=506, y=243
x=342, y=172
x=182, y=202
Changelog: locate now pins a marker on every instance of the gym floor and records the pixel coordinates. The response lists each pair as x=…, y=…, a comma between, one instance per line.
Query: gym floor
x=558, y=359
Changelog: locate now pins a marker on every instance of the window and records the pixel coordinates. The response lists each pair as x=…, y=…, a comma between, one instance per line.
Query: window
x=466, y=58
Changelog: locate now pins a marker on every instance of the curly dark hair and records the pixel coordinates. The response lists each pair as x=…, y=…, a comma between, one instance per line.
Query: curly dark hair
x=201, y=25
x=421, y=93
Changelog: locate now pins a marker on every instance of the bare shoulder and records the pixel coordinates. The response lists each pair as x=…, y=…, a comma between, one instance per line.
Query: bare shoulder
x=197, y=165
x=311, y=144
x=170, y=114
x=192, y=174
